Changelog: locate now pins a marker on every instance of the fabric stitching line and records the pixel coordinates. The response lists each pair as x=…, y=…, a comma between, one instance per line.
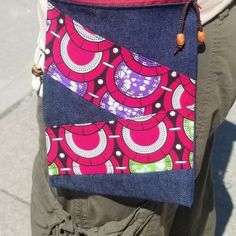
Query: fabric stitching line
x=80, y=212
x=134, y=165
x=205, y=103
x=138, y=125
x=210, y=76
x=161, y=161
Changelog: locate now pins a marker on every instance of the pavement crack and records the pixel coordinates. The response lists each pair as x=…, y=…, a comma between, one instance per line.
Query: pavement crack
x=15, y=197
x=15, y=106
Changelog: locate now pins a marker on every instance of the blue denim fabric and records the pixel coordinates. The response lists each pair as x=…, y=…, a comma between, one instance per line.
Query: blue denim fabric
x=170, y=186
x=62, y=106
x=150, y=32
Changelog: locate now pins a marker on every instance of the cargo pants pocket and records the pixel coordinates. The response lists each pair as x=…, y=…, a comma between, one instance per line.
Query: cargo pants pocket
x=150, y=219
x=46, y=211
x=49, y=218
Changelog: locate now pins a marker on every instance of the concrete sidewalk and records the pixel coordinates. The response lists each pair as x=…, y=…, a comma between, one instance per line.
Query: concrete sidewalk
x=19, y=134
x=18, y=146
x=18, y=39
x=18, y=139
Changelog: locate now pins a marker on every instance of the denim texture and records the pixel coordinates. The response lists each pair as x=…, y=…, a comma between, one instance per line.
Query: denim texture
x=169, y=186
x=62, y=106
x=156, y=41
x=149, y=31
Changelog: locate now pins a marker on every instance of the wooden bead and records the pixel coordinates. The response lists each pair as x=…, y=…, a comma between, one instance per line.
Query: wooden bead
x=201, y=37
x=37, y=71
x=180, y=39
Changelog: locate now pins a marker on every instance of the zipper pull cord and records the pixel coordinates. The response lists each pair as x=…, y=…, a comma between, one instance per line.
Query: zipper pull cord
x=180, y=38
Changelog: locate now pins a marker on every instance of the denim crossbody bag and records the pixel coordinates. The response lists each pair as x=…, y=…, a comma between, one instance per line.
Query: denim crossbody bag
x=119, y=97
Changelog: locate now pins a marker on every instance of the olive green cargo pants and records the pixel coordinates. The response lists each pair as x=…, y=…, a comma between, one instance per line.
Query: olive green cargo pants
x=61, y=212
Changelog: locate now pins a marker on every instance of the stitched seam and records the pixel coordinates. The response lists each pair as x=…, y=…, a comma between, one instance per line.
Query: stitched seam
x=79, y=212
x=211, y=73
x=210, y=79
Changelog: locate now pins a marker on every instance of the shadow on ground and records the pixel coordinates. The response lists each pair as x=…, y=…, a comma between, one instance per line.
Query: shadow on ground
x=226, y=136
